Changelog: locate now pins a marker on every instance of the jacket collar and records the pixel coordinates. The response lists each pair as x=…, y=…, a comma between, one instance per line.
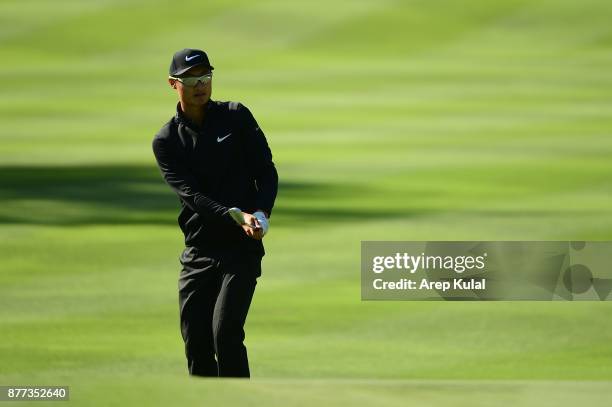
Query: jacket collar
x=180, y=117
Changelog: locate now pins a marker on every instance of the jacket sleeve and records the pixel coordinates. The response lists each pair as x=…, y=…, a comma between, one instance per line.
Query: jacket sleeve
x=184, y=184
x=259, y=159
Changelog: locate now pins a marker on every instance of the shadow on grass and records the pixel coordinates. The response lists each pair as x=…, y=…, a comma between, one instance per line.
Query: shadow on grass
x=137, y=195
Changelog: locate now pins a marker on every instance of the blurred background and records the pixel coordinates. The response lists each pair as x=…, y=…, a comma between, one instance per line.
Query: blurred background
x=388, y=120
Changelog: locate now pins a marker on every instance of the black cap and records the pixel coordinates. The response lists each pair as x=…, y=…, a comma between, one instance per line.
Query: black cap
x=186, y=59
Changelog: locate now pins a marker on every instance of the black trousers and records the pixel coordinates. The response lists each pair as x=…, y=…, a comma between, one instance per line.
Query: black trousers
x=214, y=298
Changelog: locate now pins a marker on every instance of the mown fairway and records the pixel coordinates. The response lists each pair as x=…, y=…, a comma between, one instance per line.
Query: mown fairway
x=388, y=120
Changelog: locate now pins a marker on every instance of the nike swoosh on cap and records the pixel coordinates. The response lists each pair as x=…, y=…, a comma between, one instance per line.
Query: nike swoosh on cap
x=220, y=139
x=191, y=57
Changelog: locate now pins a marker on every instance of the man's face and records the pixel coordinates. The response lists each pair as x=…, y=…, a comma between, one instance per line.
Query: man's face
x=196, y=95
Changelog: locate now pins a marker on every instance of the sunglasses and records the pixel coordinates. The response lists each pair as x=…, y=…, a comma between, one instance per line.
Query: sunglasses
x=193, y=80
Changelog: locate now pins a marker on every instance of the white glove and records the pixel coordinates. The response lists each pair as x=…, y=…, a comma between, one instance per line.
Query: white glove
x=263, y=221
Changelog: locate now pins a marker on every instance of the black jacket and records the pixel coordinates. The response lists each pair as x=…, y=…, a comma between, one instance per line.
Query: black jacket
x=225, y=163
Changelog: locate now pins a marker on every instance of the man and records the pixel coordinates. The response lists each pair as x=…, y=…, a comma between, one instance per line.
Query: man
x=215, y=157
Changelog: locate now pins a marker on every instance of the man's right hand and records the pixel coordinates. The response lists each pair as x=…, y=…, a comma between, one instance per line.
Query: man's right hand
x=254, y=231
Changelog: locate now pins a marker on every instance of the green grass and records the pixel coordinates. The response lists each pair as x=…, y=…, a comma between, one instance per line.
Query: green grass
x=388, y=120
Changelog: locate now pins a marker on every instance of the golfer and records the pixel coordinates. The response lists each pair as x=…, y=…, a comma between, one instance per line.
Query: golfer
x=215, y=157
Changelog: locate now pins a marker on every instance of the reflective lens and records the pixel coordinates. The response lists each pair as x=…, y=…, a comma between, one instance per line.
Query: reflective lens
x=193, y=80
